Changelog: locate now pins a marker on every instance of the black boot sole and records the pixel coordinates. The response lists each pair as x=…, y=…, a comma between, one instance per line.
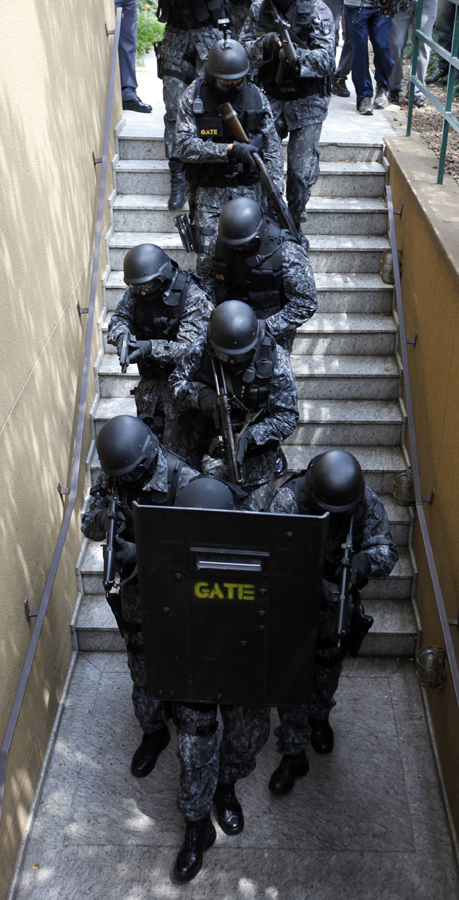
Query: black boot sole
x=285, y=788
x=183, y=878
x=142, y=773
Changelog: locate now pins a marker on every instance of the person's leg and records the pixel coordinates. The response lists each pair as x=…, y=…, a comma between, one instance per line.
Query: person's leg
x=444, y=22
x=358, y=27
x=128, y=47
x=427, y=23
x=379, y=33
x=397, y=42
x=303, y=152
x=292, y=733
x=245, y=732
x=336, y=9
x=345, y=60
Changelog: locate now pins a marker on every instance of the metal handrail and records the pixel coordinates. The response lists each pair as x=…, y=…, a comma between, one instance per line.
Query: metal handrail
x=26, y=669
x=453, y=69
x=449, y=646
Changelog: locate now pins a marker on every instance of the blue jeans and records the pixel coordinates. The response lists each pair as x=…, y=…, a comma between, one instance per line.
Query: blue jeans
x=366, y=22
x=127, y=48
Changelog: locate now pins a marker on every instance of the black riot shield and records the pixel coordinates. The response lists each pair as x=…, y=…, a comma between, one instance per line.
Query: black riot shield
x=230, y=603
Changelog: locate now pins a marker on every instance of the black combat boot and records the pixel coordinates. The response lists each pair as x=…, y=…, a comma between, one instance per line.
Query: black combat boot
x=229, y=810
x=145, y=757
x=199, y=836
x=322, y=737
x=178, y=184
x=292, y=766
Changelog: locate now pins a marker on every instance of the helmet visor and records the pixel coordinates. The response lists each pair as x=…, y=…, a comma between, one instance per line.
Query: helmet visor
x=226, y=86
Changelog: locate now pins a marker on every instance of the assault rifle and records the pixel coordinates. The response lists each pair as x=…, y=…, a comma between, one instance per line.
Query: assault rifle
x=350, y=634
x=287, y=54
x=109, y=550
x=228, y=115
x=124, y=352
x=227, y=435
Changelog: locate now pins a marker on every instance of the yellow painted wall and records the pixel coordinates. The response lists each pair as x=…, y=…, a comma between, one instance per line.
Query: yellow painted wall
x=54, y=71
x=428, y=235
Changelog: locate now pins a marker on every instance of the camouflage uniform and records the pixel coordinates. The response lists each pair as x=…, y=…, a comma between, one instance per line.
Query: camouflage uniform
x=203, y=763
x=153, y=394
x=373, y=538
x=206, y=202
x=267, y=425
x=297, y=290
x=150, y=713
x=302, y=117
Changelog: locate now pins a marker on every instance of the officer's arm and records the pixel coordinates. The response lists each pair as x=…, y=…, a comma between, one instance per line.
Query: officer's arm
x=282, y=411
x=122, y=320
x=272, y=146
x=190, y=147
x=250, y=36
x=377, y=543
x=299, y=288
x=183, y=380
x=319, y=59
x=284, y=502
x=192, y=330
x=99, y=501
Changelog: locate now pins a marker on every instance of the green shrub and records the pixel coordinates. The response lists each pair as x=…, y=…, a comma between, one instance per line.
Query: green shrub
x=149, y=29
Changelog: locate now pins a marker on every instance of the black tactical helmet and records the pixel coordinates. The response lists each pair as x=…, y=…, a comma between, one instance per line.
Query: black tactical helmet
x=241, y=222
x=227, y=64
x=205, y=493
x=126, y=447
x=334, y=481
x=233, y=330
x=147, y=263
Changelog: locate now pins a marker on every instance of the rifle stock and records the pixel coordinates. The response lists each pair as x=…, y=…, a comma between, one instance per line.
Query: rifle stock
x=228, y=115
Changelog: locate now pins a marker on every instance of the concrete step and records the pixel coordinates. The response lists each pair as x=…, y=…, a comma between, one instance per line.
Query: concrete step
x=145, y=142
x=393, y=632
x=326, y=215
x=352, y=293
x=318, y=377
x=327, y=253
x=341, y=333
x=336, y=178
x=108, y=407
x=348, y=422
x=397, y=585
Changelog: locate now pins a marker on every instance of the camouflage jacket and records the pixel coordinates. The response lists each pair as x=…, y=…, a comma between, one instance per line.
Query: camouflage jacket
x=375, y=539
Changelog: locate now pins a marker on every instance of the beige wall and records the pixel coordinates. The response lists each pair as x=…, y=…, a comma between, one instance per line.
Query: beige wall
x=54, y=70
x=428, y=235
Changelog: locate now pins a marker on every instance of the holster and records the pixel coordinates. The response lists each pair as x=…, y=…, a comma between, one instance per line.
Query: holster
x=360, y=626
x=114, y=602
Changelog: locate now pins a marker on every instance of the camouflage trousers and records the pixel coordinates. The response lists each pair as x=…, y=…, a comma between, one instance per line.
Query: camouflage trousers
x=259, y=496
x=303, y=152
x=153, y=397
x=173, y=87
x=150, y=713
x=294, y=730
x=204, y=761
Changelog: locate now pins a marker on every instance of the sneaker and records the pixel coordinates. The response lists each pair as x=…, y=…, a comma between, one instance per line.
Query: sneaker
x=438, y=75
x=419, y=101
x=381, y=97
x=365, y=106
x=394, y=96
x=339, y=87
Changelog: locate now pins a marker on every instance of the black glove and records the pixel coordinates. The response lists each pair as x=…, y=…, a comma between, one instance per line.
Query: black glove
x=126, y=556
x=360, y=567
x=271, y=43
x=244, y=153
x=243, y=443
x=102, y=520
x=330, y=593
x=142, y=349
x=208, y=404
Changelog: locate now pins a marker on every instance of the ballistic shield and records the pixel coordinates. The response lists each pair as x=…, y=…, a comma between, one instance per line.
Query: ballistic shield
x=230, y=603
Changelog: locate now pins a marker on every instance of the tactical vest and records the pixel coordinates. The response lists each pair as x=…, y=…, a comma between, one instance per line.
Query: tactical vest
x=248, y=390
x=337, y=535
x=186, y=14
x=159, y=318
x=291, y=87
x=210, y=127
x=130, y=494
x=257, y=279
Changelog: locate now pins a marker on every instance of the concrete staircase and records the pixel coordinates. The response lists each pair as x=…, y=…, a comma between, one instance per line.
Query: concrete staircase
x=345, y=358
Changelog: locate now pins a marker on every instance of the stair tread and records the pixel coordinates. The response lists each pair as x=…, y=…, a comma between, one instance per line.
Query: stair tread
x=325, y=281
x=146, y=128
x=303, y=366
x=158, y=202
x=326, y=168
x=327, y=242
x=371, y=459
x=348, y=322
x=349, y=411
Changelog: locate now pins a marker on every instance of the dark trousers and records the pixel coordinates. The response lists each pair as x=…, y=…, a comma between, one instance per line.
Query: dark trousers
x=444, y=24
x=128, y=47
x=367, y=23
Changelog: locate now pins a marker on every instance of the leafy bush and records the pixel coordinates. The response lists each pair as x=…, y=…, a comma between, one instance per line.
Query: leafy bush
x=149, y=29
